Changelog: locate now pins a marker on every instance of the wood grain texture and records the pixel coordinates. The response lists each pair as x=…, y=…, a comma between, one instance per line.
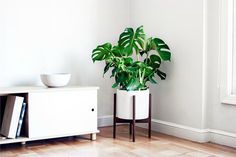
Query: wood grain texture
x=159, y=145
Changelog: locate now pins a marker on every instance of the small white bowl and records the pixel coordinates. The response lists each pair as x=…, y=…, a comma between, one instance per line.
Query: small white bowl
x=55, y=80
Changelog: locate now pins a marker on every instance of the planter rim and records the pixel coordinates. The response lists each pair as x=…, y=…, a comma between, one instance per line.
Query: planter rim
x=133, y=90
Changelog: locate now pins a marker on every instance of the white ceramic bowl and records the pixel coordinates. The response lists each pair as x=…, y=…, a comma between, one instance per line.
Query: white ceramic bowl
x=55, y=80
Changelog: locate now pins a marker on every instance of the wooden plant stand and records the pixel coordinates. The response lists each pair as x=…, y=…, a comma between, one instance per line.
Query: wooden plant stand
x=133, y=121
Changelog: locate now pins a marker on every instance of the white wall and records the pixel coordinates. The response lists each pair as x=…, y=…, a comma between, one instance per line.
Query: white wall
x=179, y=23
x=188, y=103
x=58, y=36
x=221, y=116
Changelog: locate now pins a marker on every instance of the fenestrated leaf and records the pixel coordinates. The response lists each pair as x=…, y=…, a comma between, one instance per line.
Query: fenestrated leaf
x=155, y=58
x=149, y=45
x=133, y=84
x=161, y=74
x=149, y=72
x=153, y=61
x=131, y=69
x=118, y=51
x=165, y=55
x=101, y=52
x=158, y=41
x=163, y=49
x=152, y=80
x=114, y=71
x=121, y=77
x=115, y=85
x=131, y=39
x=106, y=68
x=128, y=61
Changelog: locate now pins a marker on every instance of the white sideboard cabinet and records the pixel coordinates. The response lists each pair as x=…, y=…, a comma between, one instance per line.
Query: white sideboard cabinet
x=55, y=112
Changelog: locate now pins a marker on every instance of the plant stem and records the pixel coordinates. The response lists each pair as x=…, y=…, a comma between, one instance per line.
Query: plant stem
x=139, y=71
x=145, y=69
x=142, y=77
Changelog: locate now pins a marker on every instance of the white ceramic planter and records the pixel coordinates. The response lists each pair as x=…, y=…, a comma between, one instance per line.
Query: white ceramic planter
x=124, y=107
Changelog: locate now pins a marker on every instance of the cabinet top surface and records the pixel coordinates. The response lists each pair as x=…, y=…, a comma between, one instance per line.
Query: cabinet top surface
x=27, y=89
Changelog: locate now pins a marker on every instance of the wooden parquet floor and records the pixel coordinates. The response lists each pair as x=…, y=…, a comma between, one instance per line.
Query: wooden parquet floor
x=159, y=145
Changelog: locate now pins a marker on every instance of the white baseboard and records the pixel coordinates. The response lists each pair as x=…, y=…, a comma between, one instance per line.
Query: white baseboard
x=105, y=121
x=186, y=132
x=223, y=138
x=181, y=131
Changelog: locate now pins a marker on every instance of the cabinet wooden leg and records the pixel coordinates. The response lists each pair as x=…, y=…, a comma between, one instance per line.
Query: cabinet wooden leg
x=23, y=143
x=93, y=136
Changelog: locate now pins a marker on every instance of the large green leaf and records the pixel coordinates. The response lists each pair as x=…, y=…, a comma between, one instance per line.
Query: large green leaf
x=131, y=39
x=133, y=84
x=128, y=61
x=148, y=71
x=152, y=80
x=118, y=51
x=147, y=46
x=165, y=55
x=101, y=52
x=131, y=69
x=139, y=64
x=150, y=45
x=162, y=48
x=161, y=74
x=106, y=68
x=115, y=85
x=113, y=72
x=121, y=77
x=155, y=61
x=158, y=41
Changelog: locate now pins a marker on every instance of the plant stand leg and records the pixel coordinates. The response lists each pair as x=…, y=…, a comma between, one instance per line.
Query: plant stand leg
x=133, y=124
x=149, y=116
x=130, y=128
x=114, y=118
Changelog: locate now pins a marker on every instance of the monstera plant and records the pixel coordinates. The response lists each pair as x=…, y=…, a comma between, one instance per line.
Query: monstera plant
x=134, y=61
